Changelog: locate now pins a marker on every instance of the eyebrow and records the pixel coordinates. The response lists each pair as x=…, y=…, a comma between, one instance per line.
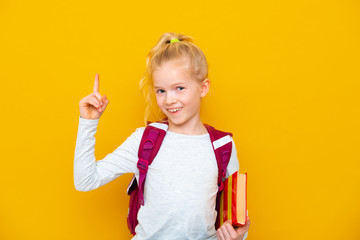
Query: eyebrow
x=178, y=83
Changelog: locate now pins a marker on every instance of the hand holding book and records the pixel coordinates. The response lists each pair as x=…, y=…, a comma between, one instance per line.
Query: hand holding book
x=228, y=232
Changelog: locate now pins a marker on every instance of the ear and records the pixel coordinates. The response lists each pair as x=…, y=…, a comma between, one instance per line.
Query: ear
x=205, y=87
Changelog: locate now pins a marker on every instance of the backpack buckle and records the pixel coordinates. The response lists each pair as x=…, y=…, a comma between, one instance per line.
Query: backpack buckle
x=149, y=144
x=143, y=165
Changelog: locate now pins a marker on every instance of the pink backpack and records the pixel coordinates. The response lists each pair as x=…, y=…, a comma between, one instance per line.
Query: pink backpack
x=149, y=146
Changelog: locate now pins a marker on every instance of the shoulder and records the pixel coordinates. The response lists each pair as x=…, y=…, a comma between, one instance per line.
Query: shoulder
x=137, y=134
x=152, y=125
x=222, y=138
x=139, y=130
x=132, y=142
x=218, y=137
x=216, y=131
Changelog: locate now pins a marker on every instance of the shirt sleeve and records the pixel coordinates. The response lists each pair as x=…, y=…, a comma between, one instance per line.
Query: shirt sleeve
x=90, y=174
x=233, y=164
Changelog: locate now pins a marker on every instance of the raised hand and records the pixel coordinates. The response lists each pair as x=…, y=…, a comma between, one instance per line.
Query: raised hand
x=93, y=105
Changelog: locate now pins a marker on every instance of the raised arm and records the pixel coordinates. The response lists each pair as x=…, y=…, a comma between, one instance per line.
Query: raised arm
x=90, y=174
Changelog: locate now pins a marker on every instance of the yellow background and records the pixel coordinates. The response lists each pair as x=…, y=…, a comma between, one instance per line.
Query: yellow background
x=285, y=81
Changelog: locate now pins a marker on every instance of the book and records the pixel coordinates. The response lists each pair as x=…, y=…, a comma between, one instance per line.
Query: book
x=233, y=200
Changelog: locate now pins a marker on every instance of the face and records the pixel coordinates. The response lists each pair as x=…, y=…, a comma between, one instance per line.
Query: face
x=178, y=95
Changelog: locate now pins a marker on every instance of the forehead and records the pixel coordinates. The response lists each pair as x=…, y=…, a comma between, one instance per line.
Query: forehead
x=172, y=71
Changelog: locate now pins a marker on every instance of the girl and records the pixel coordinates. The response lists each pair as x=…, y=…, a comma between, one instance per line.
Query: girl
x=181, y=183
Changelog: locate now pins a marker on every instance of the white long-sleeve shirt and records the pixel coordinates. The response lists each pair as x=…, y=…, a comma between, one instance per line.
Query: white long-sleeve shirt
x=181, y=183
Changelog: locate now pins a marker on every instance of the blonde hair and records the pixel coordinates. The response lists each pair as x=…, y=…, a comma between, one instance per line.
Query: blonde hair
x=165, y=51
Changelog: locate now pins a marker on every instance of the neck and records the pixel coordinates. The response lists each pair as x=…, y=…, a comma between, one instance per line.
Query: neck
x=188, y=128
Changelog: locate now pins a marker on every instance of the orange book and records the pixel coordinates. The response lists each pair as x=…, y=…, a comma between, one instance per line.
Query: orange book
x=233, y=204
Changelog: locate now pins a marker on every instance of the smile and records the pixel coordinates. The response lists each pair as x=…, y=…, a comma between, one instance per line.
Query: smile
x=174, y=109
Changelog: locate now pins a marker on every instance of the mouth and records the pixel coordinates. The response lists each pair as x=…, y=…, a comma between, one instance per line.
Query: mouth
x=174, y=110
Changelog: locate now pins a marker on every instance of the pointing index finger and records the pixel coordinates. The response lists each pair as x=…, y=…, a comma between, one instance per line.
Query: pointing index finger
x=96, y=83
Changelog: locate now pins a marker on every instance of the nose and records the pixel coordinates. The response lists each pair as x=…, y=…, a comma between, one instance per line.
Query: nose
x=170, y=99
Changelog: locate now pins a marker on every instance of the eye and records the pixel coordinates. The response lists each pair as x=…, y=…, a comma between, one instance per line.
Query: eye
x=159, y=91
x=180, y=88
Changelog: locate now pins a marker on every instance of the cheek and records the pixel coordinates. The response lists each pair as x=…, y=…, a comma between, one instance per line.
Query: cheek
x=192, y=98
x=159, y=101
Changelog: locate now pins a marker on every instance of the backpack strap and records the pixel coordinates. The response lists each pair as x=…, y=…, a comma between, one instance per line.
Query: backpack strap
x=222, y=145
x=149, y=146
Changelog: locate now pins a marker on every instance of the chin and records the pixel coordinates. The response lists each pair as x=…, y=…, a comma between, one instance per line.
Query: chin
x=175, y=121
x=178, y=123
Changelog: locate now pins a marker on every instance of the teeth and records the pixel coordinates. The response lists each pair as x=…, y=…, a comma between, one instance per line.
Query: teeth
x=174, y=110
